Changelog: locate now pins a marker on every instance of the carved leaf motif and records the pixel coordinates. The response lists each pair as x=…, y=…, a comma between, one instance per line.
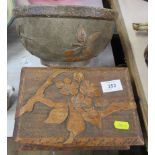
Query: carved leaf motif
x=78, y=76
x=58, y=114
x=69, y=53
x=93, y=38
x=75, y=124
x=81, y=34
x=83, y=88
x=92, y=116
x=70, y=138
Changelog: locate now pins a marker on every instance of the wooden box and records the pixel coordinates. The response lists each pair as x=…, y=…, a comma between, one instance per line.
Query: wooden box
x=76, y=108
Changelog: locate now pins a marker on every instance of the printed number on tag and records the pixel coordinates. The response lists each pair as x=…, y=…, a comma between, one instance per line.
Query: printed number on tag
x=111, y=86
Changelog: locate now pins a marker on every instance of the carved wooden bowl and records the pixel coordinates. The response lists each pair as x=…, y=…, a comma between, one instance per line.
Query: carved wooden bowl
x=64, y=33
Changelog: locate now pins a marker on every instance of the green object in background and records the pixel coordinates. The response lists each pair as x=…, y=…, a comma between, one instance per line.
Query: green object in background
x=10, y=6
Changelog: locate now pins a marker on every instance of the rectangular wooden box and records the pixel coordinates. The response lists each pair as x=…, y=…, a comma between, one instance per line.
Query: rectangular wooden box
x=68, y=108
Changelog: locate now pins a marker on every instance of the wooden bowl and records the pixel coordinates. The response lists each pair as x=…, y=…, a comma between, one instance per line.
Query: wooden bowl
x=64, y=33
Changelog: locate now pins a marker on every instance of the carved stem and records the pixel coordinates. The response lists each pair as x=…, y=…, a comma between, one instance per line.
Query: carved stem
x=39, y=96
x=41, y=90
x=32, y=101
x=117, y=107
x=47, y=102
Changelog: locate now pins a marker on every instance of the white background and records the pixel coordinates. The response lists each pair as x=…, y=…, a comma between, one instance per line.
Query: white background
x=3, y=77
x=151, y=79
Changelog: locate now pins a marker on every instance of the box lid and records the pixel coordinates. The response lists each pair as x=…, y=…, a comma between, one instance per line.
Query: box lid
x=63, y=108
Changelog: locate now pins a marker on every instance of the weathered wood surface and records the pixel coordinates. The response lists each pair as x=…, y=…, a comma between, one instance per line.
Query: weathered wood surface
x=66, y=108
x=12, y=149
x=134, y=44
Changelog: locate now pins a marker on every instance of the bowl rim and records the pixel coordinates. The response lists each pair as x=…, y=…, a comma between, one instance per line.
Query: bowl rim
x=63, y=11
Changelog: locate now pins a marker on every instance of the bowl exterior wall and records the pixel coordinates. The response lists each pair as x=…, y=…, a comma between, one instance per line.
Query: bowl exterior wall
x=64, y=39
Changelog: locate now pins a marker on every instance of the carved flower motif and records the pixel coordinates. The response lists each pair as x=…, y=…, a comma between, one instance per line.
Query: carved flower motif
x=67, y=87
x=89, y=89
x=81, y=100
x=81, y=34
x=80, y=109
